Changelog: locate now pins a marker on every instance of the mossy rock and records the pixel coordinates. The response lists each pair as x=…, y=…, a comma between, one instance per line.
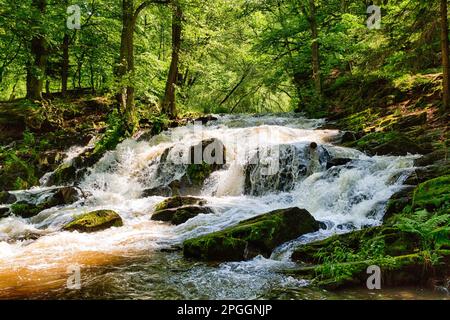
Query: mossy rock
x=94, y=221
x=259, y=235
x=432, y=194
x=176, y=202
x=65, y=173
x=388, y=143
x=396, y=243
x=26, y=210
x=399, y=201
x=61, y=196
x=7, y=198
x=196, y=172
x=178, y=216
x=405, y=270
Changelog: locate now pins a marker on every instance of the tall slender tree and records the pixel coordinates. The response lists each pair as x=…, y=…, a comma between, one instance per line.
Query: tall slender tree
x=169, y=101
x=445, y=55
x=38, y=48
x=130, y=14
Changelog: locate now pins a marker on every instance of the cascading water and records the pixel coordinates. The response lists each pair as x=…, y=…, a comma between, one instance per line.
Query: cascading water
x=136, y=260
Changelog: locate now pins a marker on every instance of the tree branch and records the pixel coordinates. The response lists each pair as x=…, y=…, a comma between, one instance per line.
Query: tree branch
x=145, y=4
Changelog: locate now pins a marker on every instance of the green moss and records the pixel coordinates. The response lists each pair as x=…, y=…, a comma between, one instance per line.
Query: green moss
x=26, y=210
x=197, y=173
x=259, y=235
x=433, y=194
x=176, y=202
x=63, y=174
x=94, y=221
x=360, y=120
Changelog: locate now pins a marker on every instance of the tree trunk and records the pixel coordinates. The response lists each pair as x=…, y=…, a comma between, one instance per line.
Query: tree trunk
x=445, y=57
x=126, y=64
x=169, y=101
x=65, y=65
x=36, y=73
x=315, y=48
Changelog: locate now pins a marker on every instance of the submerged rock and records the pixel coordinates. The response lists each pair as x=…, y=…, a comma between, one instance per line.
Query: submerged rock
x=94, y=221
x=259, y=235
x=178, y=216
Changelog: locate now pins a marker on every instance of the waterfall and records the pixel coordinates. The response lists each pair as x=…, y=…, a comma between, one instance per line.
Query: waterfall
x=268, y=166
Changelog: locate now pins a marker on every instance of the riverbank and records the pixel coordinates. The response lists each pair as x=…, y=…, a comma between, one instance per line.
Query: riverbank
x=381, y=117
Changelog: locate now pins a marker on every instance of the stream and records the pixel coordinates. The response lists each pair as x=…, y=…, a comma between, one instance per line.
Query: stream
x=139, y=260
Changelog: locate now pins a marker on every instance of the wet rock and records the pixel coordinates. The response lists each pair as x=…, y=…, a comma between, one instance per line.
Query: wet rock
x=349, y=136
x=7, y=197
x=178, y=216
x=399, y=201
x=177, y=202
x=161, y=192
x=337, y=162
x=436, y=157
x=252, y=237
x=398, y=147
x=63, y=196
x=26, y=210
x=4, y=212
x=60, y=196
x=94, y=221
x=74, y=170
x=205, y=119
x=262, y=175
x=187, y=175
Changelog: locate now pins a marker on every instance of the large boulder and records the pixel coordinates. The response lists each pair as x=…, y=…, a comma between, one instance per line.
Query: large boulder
x=281, y=167
x=186, y=175
x=259, y=235
x=94, y=221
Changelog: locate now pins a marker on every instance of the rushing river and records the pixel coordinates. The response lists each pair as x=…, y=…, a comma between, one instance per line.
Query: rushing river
x=140, y=260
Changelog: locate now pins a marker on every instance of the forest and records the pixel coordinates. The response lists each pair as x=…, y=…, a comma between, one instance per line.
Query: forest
x=97, y=97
